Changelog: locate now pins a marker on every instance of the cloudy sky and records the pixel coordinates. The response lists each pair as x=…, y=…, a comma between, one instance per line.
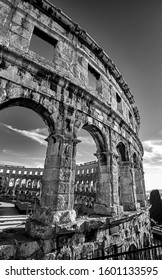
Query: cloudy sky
x=129, y=31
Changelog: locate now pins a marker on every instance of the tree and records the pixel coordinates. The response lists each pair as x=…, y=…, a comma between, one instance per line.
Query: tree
x=156, y=206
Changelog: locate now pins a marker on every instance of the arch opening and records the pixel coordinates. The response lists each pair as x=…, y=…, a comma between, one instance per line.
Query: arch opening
x=94, y=174
x=24, y=127
x=32, y=105
x=126, y=180
x=121, y=149
x=85, y=174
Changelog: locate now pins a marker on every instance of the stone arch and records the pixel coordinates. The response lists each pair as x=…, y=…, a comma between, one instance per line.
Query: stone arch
x=34, y=105
x=11, y=182
x=139, y=180
x=10, y=186
x=103, y=195
x=39, y=184
x=17, y=182
x=23, y=183
x=135, y=160
x=95, y=129
x=126, y=184
x=99, y=140
x=51, y=112
x=28, y=184
x=122, y=152
x=34, y=184
x=17, y=186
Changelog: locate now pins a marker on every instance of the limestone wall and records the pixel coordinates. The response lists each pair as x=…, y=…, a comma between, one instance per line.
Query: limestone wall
x=78, y=87
x=87, y=239
x=73, y=85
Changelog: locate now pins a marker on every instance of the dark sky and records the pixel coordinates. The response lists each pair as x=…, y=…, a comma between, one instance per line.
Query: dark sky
x=129, y=31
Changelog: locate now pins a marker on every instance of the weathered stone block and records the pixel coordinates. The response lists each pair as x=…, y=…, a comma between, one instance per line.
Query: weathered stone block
x=129, y=207
x=102, y=210
x=51, y=173
x=4, y=11
x=27, y=249
x=40, y=230
x=7, y=252
x=48, y=245
x=114, y=230
x=64, y=216
x=19, y=41
x=88, y=248
x=50, y=256
x=78, y=239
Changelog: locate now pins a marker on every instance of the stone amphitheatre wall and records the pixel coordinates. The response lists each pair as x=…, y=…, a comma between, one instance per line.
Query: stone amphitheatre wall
x=76, y=86
x=61, y=91
x=24, y=184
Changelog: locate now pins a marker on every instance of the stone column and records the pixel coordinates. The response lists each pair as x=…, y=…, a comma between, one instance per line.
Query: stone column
x=57, y=198
x=51, y=174
x=127, y=186
x=140, y=186
x=103, y=203
x=115, y=179
x=57, y=177
x=74, y=151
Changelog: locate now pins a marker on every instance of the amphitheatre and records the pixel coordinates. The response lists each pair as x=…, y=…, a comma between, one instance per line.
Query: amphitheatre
x=79, y=88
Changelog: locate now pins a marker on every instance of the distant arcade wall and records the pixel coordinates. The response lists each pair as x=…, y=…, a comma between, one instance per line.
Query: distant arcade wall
x=20, y=183
x=73, y=85
x=25, y=184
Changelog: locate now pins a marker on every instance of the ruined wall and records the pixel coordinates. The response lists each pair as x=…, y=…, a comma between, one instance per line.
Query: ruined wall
x=74, y=85
x=78, y=87
x=20, y=183
x=93, y=239
x=25, y=184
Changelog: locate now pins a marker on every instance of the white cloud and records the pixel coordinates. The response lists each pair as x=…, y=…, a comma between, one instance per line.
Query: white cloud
x=11, y=152
x=37, y=135
x=86, y=140
x=13, y=163
x=33, y=163
x=79, y=154
x=152, y=153
x=36, y=162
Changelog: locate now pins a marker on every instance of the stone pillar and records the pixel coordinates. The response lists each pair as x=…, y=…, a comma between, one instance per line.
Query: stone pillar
x=21, y=179
x=140, y=186
x=103, y=205
x=115, y=179
x=57, y=177
x=57, y=198
x=127, y=186
x=74, y=151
